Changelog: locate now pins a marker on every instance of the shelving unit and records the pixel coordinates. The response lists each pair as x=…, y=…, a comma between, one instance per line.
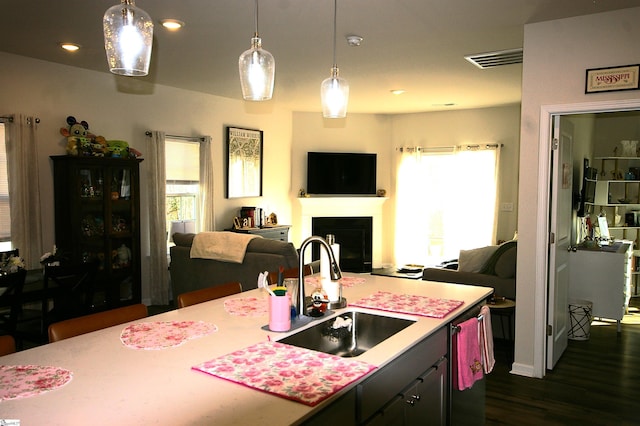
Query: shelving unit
x=97, y=216
x=617, y=196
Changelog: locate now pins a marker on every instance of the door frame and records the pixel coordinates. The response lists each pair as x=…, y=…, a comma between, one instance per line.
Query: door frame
x=547, y=113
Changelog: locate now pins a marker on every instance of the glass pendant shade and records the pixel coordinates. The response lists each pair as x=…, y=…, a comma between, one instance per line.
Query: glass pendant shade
x=257, y=72
x=128, y=37
x=334, y=93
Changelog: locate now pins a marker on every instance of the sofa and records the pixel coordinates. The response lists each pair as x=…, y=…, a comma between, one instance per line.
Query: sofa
x=261, y=255
x=491, y=266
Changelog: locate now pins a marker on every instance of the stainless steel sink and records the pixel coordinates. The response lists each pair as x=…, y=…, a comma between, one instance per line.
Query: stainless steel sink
x=335, y=336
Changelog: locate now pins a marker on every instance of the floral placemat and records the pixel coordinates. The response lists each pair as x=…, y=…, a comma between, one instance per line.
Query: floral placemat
x=164, y=334
x=247, y=306
x=345, y=281
x=409, y=304
x=22, y=381
x=287, y=371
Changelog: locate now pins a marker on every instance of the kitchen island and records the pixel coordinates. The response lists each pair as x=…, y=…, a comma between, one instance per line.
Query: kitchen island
x=113, y=384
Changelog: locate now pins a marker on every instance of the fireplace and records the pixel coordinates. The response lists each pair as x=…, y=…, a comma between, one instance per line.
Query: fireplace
x=354, y=234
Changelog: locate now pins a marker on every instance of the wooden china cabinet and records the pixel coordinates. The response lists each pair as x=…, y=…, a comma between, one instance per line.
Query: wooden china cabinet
x=97, y=217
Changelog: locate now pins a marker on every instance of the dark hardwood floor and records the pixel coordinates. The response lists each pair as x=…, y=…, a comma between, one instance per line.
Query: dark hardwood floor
x=596, y=382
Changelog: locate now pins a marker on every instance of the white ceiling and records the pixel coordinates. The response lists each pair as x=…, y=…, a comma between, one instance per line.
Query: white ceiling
x=415, y=45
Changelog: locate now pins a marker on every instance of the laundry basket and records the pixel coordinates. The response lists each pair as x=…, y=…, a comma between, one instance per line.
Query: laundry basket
x=580, y=316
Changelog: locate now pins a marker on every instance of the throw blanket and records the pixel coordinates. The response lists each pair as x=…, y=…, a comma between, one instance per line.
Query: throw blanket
x=224, y=246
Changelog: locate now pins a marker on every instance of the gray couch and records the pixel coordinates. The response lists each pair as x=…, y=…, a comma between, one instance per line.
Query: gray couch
x=498, y=272
x=192, y=274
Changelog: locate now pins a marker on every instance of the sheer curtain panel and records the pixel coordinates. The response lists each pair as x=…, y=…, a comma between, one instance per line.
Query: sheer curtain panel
x=24, y=187
x=156, y=191
x=206, y=186
x=446, y=201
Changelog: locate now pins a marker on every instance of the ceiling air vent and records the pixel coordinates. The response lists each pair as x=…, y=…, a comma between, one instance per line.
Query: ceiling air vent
x=496, y=59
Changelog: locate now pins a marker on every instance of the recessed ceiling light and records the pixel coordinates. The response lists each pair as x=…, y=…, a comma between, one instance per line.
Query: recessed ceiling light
x=172, y=24
x=354, y=40
x=70, y=47
x=398, y=91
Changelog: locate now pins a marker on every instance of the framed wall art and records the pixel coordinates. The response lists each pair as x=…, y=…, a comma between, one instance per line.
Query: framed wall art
x=612, y=79
x=244, y=162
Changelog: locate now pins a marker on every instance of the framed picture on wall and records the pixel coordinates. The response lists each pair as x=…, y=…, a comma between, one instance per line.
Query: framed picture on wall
x=244, y=162
x=611, y=79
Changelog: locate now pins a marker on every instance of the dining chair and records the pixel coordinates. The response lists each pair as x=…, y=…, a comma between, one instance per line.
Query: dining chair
x=71, y=287
x=209, y=293
x=289, y=273
x=88, y=323
x=7, y=345
x=10, y=301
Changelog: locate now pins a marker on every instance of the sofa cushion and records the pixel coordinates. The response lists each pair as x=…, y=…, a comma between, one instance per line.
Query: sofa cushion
x=183, y=240
x=474, y=260
x=506, y=264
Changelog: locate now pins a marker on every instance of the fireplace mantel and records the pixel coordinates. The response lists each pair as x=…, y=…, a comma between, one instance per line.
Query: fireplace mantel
x=346, y=207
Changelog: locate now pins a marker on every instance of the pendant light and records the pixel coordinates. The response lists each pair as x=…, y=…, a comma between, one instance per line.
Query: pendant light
x=128, y=36
x=334, y=90
x=257, y=69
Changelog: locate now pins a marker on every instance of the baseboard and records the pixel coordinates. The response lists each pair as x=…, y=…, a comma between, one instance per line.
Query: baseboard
x=522, y=370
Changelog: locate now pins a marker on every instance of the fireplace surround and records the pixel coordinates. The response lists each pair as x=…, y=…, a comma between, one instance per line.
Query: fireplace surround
x=311, y=207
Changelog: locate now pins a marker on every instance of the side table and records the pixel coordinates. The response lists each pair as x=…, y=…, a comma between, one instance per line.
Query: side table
x=505, y=309
x=279, y=232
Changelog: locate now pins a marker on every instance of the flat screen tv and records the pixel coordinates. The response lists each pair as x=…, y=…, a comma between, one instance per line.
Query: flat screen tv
x=340, y=173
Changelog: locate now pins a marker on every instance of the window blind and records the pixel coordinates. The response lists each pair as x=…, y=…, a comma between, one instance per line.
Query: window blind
x=5, y=212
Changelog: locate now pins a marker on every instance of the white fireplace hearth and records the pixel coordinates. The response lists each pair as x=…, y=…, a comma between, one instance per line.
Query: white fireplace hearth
x=345, y=207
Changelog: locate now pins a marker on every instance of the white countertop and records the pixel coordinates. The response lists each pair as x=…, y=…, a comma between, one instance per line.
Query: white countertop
x=113, y=384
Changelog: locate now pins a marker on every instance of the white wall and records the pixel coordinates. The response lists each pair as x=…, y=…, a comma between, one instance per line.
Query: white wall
x=556, y=56
x=52, y=92
x=384, y=133
x=357, y=133
x=499, y=125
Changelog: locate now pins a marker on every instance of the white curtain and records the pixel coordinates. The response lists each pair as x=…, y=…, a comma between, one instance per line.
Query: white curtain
x=24, y=187
x=207, y=216
x=156, y=190
x=446, y=201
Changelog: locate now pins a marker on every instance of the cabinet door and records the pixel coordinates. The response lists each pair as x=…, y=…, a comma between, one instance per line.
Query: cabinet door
x=425, y=402
x=342, y=412
x=123, y=230
x=390, y=415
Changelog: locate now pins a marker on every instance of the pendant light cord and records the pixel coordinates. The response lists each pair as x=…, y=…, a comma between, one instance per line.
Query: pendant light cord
x=335, y=14
x=256, y=16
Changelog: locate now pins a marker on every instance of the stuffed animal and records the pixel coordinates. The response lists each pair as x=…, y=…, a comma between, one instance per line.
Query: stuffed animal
x=78, y=139
x=118, y=149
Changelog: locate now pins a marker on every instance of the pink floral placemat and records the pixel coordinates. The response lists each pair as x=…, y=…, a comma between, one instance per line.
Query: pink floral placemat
x=287, y=371
x=22, y=381
x=409, y=304
x=345, y=281
x=164, y=334
x=247, y=306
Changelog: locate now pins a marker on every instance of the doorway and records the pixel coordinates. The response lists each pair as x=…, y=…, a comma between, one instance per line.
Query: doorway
x=543, y=306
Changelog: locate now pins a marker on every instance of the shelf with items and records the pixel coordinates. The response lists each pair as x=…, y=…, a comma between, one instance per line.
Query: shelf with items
x=619, y=168
x=97, y=210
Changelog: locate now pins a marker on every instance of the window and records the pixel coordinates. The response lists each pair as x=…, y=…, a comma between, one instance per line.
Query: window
x=5, y=210
x=182, y=160
x=445, y=202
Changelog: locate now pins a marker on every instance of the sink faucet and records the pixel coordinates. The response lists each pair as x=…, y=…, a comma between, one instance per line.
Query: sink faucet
x=335, y=272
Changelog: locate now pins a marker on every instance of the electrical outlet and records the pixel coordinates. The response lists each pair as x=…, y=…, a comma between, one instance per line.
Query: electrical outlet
x=506, y=207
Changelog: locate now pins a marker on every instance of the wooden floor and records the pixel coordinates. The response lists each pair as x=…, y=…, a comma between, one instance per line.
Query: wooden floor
x=596, y=382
